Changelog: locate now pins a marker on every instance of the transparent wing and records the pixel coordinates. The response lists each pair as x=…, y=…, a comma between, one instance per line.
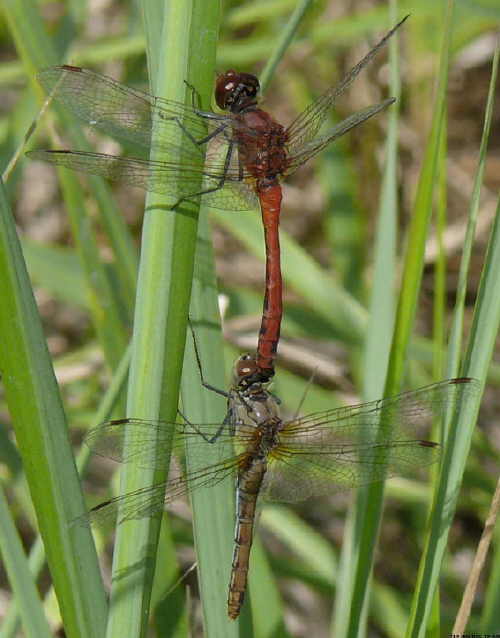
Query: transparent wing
x=305, y=127
x=297, y=473
x=138, y=441
x=145, y=443
x=310, y=149
x=355, y=445
x=123, y=112
x=158, y=177
x=152, y=123
x=152, y=500
x=317, y=454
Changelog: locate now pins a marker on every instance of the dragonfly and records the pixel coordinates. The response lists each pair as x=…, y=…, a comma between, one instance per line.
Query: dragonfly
x=274, y=459
x=233, y=160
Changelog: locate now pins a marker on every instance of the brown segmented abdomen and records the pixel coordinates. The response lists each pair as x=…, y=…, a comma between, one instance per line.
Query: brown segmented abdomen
x=249, y=483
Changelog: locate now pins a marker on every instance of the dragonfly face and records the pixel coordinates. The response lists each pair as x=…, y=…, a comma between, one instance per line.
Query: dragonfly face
x=235, y=91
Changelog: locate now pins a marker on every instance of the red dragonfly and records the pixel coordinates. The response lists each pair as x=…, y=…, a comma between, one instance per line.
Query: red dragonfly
x=246, y=153
x=273, y=459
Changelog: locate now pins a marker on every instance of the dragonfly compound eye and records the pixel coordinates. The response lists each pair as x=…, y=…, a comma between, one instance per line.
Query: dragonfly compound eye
x=249, y=84
x=224, y=88
x=245, y=367
x=235, y=91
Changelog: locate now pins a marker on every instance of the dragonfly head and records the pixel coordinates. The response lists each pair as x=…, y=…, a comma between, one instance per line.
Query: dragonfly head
x=246, y=372
x=236, y=91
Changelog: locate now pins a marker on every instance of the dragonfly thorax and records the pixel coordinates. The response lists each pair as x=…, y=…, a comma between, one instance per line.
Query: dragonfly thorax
x=261, y=143
x=255, y=407
x=251, y=403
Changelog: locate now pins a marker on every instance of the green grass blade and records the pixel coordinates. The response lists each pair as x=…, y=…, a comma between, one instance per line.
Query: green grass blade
x=41, y=433
x=37, y=51
x=476, y=363
x=213, y=508
x=377, y=347
x=265, y=600
x=439, y=311
x=382, y=303
x=367, y=519
x=457, y=325
x=482, y=337
x=283, y=42
x=37, y=554
x=23, y=588
x=418, y=229
x=109, y=318
x=163, y=296
x=12, y=619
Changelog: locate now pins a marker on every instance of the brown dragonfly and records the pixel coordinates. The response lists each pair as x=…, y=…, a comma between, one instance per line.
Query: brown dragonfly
x=274, y=459
x=234, y=160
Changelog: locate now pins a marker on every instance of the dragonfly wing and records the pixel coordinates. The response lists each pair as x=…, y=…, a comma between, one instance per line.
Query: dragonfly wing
x=152, y=500
x=152, y=123
x=298, y=156
x=147, y=443
x=355, y=445
x=408, y=413
x=234, y=196
x=298, y=472
x=128, y=114
x=305, y=127
x=173, y=181
x=148, y=121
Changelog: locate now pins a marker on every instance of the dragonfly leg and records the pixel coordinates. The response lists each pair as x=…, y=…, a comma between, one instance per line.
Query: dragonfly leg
x=217, y=186
x=187, y=198
x=214, y=438
x=194, y=93
x=206, y=385
x=196, y=143
x=213, y=134
x=208, y=115
x=211, y=439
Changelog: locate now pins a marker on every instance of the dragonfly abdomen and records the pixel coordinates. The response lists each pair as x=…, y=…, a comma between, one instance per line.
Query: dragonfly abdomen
x=269, y=334
x=249, y=483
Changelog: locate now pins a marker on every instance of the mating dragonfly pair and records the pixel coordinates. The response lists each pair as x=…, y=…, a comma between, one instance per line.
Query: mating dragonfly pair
x=232, y=161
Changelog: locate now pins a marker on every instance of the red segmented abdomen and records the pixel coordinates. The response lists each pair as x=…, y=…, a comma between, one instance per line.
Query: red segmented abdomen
x=270, y=195
x=262, y=150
